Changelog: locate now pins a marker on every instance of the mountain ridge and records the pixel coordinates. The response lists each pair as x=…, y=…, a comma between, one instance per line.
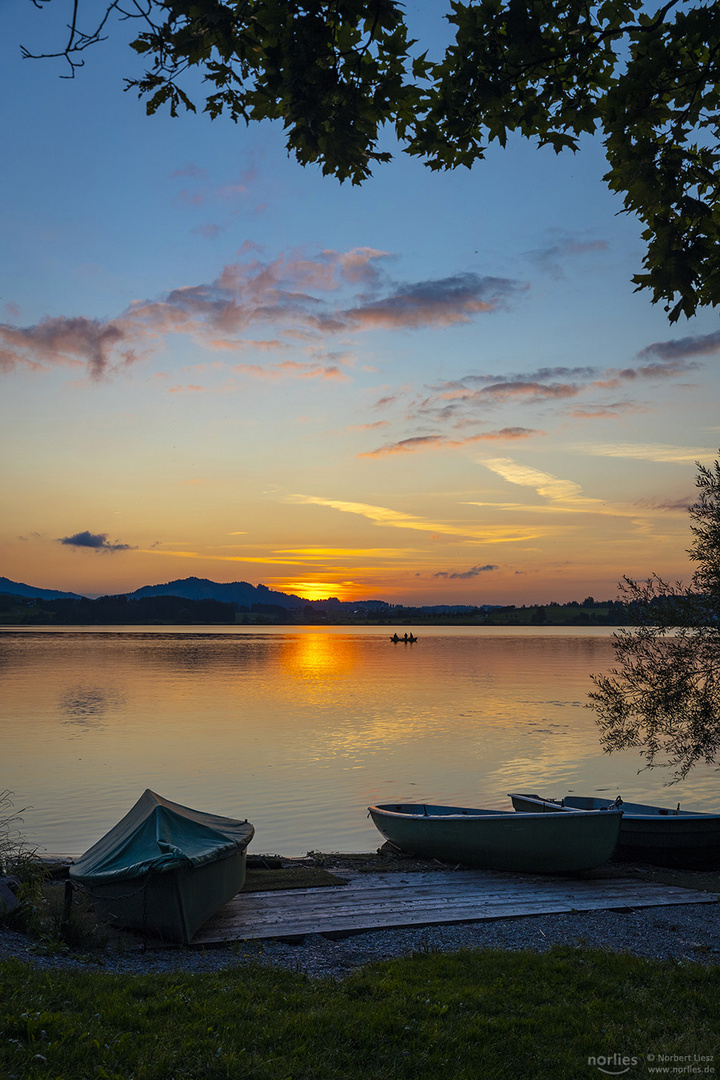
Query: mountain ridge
x=31, y=592
x=195, y=588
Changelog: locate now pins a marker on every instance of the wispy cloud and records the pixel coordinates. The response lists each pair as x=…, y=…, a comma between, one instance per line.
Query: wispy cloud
x=95, y=542
x=563, y=497
x=293, y=369
x=664, y=505
x=369, y=427
x=397, y=519
x=607, y=411
x=670, y=367
x=199, y=192
x=473, y=572
x=328, y=554
x=548, y=384
x=547, y=485
x=428, y=303
x=698, y=345
x=648, y=452
x=550, y=258
x=424, y=442
x=579, y=392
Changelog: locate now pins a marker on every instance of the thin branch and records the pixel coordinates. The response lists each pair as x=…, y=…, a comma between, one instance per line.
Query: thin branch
x=79, y=40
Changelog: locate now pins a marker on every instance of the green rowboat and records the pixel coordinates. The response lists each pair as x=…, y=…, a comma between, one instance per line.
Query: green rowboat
x=165, y=869
x=654, y=834
x=501, y=839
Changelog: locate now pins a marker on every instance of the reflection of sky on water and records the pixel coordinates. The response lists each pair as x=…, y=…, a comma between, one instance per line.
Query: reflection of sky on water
x=88, y=705
x=300, y=731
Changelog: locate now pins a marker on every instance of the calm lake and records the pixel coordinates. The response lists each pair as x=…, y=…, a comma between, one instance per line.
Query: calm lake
x=300, y=729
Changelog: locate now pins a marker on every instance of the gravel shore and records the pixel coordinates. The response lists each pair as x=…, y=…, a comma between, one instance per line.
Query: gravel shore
x=687, y=932
x=690, y=932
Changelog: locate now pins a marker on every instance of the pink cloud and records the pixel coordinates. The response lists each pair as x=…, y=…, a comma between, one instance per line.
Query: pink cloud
x=291, y=368
x=604, y=412
x=406, y=446
x=673, y=368
x=458, y=402
x=368, y=427
x=424, y=442
x=70, y=341
x=510, y=390
x=429, y=303
x=357, y=265
x=291, y=293
x=699, y=345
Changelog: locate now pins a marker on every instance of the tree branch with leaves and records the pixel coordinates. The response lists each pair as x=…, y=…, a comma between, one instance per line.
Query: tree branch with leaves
x=663, y=693
x=339, y=72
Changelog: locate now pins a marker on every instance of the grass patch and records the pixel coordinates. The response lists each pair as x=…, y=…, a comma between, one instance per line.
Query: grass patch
x=482, y=1013
x=291, y=877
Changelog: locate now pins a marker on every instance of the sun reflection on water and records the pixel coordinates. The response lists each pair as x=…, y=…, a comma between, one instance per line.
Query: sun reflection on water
x=318, y=656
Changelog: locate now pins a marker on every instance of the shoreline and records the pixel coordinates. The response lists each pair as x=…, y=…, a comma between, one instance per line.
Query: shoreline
x=680, y=933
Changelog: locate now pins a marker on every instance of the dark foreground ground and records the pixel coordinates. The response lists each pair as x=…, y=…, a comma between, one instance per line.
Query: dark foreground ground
x=681, y=933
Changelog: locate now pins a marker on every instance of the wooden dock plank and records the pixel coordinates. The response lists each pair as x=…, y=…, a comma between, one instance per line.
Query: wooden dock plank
x=256, y=919
x=377, y=901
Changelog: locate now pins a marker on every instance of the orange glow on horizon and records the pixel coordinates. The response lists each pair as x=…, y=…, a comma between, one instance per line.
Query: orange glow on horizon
x=317, y=590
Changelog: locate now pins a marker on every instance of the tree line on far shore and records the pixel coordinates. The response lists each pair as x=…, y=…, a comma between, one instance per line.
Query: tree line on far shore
x=113, y=610
x=177, y=610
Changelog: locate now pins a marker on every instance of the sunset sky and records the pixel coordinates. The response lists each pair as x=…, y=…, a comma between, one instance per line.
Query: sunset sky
x=434, y=388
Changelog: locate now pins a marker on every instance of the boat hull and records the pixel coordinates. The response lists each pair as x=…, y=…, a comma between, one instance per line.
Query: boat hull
x=655, y=834
x=500, y=840
x=172, y=905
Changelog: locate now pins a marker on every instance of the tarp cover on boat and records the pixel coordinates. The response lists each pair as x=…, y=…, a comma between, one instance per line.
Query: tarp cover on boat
x=159, y=835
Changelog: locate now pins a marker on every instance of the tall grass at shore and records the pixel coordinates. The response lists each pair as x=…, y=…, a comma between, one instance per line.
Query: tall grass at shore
x=489, y=1014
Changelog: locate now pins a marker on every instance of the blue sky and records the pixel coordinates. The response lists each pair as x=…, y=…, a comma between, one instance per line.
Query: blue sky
x=215, y=362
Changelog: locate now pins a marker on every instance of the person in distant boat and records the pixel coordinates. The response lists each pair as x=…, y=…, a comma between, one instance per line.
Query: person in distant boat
x=395, y=638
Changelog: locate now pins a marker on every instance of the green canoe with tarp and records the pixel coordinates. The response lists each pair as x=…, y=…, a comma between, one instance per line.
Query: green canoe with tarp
x=164, y=868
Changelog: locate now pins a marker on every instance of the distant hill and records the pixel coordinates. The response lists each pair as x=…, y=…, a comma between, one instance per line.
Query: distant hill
x=231, y=592
x=16, y=588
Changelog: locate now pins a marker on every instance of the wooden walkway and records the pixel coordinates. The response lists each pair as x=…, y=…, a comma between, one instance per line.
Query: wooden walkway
x=377, y=901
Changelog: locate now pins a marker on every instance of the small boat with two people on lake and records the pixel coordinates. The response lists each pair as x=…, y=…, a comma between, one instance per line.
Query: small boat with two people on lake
x=654, y=834
x=501, y=839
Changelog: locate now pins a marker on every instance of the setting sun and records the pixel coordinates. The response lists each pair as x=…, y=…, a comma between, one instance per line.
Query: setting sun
x=318, y=590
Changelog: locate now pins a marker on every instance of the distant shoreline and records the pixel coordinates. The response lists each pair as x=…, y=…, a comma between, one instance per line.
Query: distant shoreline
x=182, y=611
x=390, y=627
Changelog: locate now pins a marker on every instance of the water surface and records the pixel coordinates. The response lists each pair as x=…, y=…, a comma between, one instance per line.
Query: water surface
x=300, y=729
